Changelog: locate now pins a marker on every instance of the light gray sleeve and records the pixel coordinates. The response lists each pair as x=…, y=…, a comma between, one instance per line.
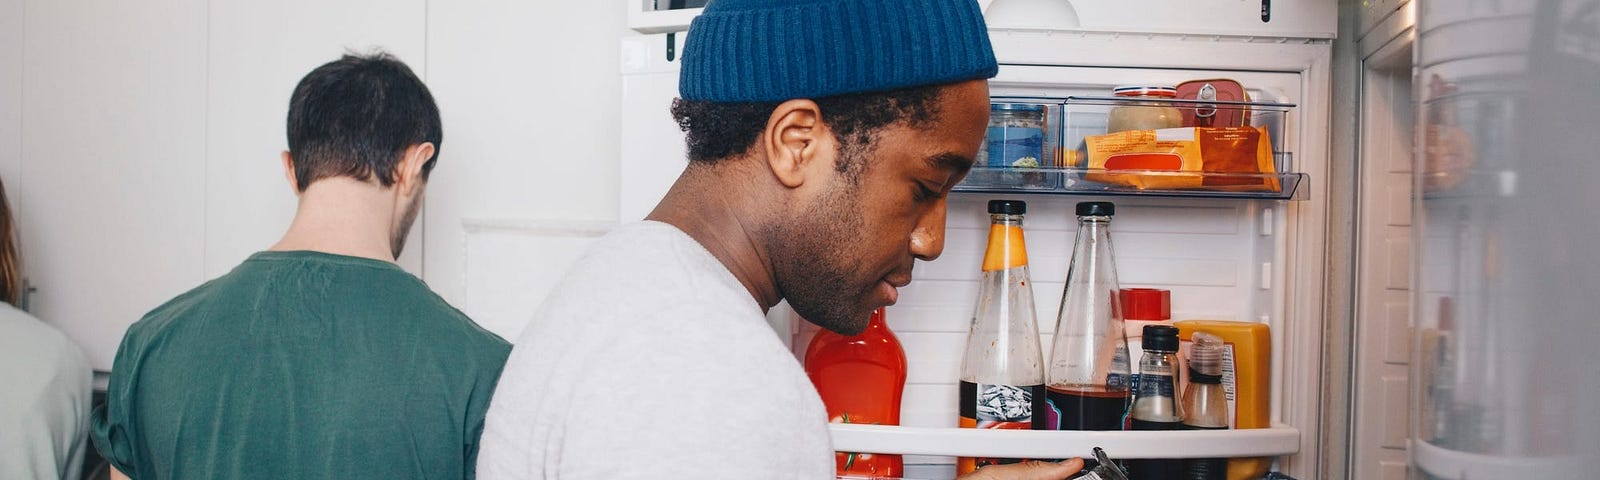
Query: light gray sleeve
x=44, y=408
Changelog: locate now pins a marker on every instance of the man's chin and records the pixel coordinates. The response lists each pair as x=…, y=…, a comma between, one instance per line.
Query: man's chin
x=845, y=324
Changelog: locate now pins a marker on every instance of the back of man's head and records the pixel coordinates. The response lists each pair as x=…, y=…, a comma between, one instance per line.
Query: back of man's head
x=355, y=116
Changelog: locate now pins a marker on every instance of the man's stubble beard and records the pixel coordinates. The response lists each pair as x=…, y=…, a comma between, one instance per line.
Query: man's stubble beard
x=397, y=238
x=815, y=260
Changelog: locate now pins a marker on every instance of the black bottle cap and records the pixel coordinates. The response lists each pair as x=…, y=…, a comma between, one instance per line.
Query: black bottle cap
x=1160, y=337
x=1098, y=209
x=1008, y=207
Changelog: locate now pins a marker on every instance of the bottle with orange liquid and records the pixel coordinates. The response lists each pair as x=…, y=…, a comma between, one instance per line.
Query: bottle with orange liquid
x=1002, y=372
x=860, y=378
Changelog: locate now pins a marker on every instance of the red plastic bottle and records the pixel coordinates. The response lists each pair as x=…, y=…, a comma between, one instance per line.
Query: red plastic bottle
x=861, y=379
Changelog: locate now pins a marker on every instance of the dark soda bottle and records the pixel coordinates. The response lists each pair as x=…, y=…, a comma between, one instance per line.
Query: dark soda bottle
x=1088, y=378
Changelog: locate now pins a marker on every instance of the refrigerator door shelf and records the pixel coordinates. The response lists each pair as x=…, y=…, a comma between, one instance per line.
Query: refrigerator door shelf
x=1263, y=442
x=1445, y=464
x=1077, y=181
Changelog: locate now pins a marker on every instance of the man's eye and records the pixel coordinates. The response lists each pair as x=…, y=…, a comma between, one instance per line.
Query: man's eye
x=923, y=193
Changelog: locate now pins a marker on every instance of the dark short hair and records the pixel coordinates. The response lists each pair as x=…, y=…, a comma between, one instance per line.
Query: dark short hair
x=356, y=116
x=718, y=130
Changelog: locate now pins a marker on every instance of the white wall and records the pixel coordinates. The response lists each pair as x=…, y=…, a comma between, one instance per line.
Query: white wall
x=10, y=93
x=529, y=96
x=140, y=142
x=112, y=177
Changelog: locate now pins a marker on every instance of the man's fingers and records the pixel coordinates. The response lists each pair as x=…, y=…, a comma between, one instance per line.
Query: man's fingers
x=1030, y=470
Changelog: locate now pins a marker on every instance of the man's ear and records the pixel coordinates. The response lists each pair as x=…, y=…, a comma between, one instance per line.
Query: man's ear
x=796, y=141
x=288, y=172
x=408, y=173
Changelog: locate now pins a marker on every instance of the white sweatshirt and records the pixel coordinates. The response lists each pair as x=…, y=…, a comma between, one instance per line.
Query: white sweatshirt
x=650, y=360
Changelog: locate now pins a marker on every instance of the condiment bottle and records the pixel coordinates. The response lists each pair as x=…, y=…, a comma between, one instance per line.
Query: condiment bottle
x=1089, y=377
x=1002, y=375
x=1141, y=307
x=1205, y=404
x=861, y=379
x=1147, y=108
x=1155, y=407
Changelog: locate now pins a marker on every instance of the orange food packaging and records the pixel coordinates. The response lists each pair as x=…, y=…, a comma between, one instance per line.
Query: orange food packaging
x=1246, y=376
x=1177, y=158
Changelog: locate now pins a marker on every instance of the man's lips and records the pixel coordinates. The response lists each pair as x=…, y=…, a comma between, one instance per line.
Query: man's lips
x=892, y=286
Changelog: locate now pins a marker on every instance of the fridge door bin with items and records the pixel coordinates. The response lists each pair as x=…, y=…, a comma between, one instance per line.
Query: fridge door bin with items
x=1097, y=145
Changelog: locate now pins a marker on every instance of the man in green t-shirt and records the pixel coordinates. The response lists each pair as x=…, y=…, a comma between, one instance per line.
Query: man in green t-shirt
x=319, y=358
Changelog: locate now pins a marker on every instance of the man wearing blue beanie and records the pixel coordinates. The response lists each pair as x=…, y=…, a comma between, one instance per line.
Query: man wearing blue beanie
x=824, y=136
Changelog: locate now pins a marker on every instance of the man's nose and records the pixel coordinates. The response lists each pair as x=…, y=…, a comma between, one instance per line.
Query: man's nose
x=927, y=240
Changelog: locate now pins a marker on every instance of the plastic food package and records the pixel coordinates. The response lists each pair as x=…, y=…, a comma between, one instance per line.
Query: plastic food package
x=1175, y=158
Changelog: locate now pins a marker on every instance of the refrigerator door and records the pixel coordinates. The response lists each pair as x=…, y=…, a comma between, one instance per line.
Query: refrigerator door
x=1505, y=356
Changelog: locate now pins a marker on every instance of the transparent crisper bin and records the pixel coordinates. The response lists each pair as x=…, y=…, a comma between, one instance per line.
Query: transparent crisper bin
x=1152, y=147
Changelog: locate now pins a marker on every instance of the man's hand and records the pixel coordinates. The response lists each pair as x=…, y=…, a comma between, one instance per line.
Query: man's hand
x=1029, y=470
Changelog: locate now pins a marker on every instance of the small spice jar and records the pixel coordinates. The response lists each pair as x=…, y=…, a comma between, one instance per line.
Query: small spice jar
x=1015, y=136
x=1153, y=114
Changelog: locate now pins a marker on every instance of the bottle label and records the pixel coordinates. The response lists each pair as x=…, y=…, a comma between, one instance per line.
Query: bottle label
x=1229, y=387
x=1005, y=407
x=1119, y=363
x=1155, y=384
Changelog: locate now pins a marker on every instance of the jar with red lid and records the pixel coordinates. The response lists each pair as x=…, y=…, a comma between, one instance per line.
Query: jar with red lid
x=1145, y=109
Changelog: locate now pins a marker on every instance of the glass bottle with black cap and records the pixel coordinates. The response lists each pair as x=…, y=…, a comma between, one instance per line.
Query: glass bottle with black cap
x=1002, y=371
x=1088, y=378
x=1155, y=405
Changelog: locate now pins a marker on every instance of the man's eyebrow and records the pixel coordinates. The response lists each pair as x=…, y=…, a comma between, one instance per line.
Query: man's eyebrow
x=953, y=162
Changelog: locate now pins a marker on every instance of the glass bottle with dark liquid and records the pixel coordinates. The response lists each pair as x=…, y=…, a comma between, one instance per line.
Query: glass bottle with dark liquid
x=1205, y=403
x=1002, y=371
x=1155, y=407
x=1088, y=378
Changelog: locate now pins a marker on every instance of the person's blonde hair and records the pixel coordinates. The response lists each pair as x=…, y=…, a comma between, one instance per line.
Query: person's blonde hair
x=10, y=263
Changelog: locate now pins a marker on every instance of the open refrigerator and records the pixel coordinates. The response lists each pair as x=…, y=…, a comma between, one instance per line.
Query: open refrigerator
x=1246, y=256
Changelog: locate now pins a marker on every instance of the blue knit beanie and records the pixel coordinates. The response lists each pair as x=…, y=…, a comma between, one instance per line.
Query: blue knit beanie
x=775, y=50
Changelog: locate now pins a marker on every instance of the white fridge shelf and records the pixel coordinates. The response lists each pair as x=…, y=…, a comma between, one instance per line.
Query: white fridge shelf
x=646, y=21
x=1446, y=464
x=1262, y=442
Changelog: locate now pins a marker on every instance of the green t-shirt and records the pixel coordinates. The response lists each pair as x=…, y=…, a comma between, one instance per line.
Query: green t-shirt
x=301, y=365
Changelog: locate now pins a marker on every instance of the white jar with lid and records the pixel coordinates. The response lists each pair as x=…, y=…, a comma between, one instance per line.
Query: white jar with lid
x=1144, y=110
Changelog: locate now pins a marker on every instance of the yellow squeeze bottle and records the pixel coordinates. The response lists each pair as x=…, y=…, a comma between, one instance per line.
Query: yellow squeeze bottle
x=1246, y=359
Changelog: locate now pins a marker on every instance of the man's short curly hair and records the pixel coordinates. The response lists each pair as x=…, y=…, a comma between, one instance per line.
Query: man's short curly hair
x=718, y=130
